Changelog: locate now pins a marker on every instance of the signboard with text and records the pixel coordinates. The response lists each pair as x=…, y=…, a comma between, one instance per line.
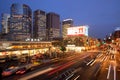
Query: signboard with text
x=77, y=31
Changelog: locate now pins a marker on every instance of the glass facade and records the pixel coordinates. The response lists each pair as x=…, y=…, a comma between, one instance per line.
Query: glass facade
x=16, y=9
x=67, y=23
x=5, y=26
x=39, y=27
x=53, y=25
x=20, y=22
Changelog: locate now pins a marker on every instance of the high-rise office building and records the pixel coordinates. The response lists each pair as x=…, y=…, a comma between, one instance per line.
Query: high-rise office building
x=20, y=22
x=116, y=33
x=53, y=26
x=39, y=28
x=67, y=23
x=5, y=26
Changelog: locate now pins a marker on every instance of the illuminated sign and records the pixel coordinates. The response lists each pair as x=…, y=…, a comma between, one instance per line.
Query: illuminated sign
x=77, y=31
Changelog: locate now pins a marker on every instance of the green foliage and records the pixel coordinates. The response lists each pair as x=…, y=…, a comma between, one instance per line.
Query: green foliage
x=63, y=48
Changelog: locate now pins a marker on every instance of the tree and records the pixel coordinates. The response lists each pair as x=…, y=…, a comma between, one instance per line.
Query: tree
x=63, y=49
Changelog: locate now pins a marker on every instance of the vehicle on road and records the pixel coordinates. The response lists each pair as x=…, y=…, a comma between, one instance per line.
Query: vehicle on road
x=24, y=69
x=2, y=58
x=11, y=70
x=21, y=70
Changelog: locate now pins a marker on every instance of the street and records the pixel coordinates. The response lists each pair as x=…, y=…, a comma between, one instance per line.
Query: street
x=80, y=66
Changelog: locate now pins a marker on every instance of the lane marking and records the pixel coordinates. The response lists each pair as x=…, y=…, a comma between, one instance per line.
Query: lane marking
x=98, y=55
x=114, y=57
x=103, y=59
x=106, y=58
x=108, y=75
x=69, y=76
x=101, y=55
x=77, y=77
x=90, y=62
x=111, y=57
x=114, y=72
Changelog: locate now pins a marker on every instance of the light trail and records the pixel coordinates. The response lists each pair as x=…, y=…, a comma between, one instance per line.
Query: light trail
x=36, y=74
x=60, y=68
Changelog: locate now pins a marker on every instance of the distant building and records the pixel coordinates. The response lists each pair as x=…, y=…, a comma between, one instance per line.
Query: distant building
x=20, y=22
x=5, y=26
x=67, y=23
x=53, y=26
x=39, y=25
x=116, y=33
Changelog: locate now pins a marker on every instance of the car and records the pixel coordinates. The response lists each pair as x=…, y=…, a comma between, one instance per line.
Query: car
x=2, y=60
x=11, y=70
x=21, y=70
x=24, y=69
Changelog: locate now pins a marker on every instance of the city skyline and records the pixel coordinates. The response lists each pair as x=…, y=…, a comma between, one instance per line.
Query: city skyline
x=102, y=16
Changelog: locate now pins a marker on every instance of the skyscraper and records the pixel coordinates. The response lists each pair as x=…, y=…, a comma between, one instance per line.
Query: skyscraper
x=39, y=28
x=66, y=24
x=5, y=26
x=20, y=22
x=53, y=25
x=116, y=33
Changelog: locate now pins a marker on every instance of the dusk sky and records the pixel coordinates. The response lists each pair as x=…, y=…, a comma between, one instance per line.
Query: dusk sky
x=102, y=16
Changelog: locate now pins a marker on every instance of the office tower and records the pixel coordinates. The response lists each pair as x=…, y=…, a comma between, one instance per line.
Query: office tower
x=5, y=26
x=20, y=22
x=67, y=23
x=39, y=28
x=53, y=26
x=116, y=33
